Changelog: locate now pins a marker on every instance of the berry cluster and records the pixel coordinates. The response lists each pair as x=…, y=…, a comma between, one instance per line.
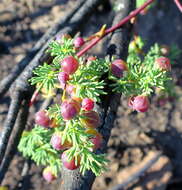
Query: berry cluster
x=67, y=132
x=143, y=73
x=70, y=108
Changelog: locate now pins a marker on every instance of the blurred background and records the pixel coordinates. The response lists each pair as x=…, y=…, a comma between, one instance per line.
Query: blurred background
x=137, y=137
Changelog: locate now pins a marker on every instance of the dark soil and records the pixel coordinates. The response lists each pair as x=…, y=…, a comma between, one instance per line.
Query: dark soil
x=22, y=23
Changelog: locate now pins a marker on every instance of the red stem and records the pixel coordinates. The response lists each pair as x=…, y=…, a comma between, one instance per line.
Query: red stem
x=34, y=96
x=178, y=4
x=112, y=29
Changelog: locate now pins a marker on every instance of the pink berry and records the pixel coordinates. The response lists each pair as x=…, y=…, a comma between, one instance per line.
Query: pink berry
x=69, y=65
x=87, y=104
x=63, y=78
x=48, y=175
x=96, y=138
x=71, y=165
x=56, y=142
x=69, y=109
x=97, y=141
x=141, y=103
x=118, y=67
x=91, y=119
x=163, y=63
x=78, y=42
x=41, y=118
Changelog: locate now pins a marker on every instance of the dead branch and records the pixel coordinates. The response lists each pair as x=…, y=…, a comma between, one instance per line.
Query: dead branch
x=12, y=148
x=10, y=120
x=16, y=71
x=73, y=180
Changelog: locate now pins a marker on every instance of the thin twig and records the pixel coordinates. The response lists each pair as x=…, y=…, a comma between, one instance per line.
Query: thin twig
x=113, y=28
x=178, y=4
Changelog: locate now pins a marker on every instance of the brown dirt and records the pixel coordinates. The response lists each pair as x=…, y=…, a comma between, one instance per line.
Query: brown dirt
x=135, y=134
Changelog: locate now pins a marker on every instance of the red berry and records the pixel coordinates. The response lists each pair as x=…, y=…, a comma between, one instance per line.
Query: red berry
x=56, y=142
x=69, y=65
x=91, y=120
x=96, y=139
x=69, y=109
x=41, y=118
x=87, y=104
x=63, y=78
x=78, y=42
x=71, y=165
x=118, y=67
x=163, y=63
x=48, y=175
x=141, y=103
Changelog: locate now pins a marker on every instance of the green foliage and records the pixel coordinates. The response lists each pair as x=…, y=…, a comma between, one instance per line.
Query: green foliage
x=36, y=145
x=142, y=75
x=88, y=87
x=75, y=133
x=45, y=77
x=95, y=68
x=54, y=113
x=139, y=3
x=87, y=79
x=60, y=50
x=141, y=78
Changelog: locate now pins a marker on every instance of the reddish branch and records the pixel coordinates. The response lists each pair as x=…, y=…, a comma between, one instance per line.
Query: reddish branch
x=115, y=27
x=178, y=4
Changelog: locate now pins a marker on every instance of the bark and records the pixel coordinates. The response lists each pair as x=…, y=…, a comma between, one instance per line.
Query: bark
x=10, y=120
x=12, y=148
